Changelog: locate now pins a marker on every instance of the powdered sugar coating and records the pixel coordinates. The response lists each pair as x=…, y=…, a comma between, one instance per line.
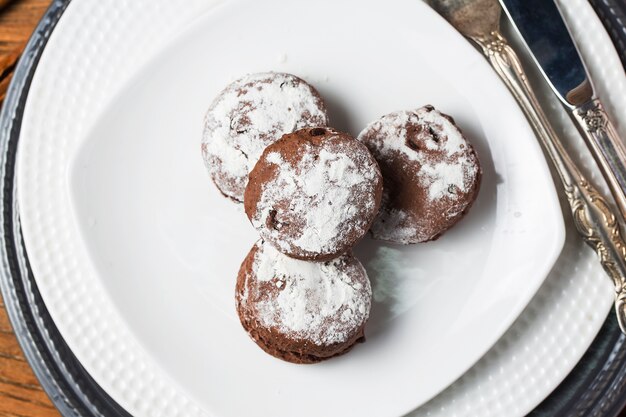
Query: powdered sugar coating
x=247, y=116
x=325, y=303
x=431, y=174
x=321, y=195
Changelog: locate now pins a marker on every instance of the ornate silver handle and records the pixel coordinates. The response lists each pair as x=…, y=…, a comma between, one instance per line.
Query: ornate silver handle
x=607, y=147
x=594, y=218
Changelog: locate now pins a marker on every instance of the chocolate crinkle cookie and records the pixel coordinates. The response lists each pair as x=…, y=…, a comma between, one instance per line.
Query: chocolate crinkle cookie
x=248, y=115
x=431, y=174
x=314, y=193
x=299, y=311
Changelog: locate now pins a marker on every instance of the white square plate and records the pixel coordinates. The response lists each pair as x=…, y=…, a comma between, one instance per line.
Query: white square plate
x=141, y=219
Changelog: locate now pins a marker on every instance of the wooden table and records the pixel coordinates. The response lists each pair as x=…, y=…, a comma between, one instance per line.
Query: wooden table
x=20, y=392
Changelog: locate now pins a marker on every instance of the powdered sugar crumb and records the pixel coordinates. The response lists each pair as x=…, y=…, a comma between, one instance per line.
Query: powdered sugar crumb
x=324, y=302
x=390, y=221
x=323, y=192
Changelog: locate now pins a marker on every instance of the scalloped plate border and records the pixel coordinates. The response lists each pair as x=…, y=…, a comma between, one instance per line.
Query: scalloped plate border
x=611, y=101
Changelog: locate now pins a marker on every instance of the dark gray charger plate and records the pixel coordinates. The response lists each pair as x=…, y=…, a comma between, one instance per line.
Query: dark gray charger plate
x=596, y=387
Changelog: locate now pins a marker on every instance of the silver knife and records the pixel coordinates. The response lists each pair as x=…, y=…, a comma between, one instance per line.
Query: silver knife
x=545, y=34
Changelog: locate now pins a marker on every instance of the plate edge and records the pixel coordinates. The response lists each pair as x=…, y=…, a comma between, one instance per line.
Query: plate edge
x=70, y=388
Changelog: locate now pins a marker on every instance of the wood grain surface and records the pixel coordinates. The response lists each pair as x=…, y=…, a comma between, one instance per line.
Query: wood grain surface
x=20, y=392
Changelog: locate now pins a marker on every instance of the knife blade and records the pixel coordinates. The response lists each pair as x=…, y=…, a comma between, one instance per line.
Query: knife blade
x=546, y=35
